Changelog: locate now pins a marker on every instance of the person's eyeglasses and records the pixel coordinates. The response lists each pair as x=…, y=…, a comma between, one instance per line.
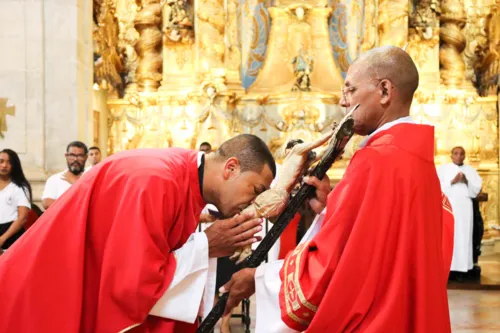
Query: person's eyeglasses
x=348, y=91
x=73, y=156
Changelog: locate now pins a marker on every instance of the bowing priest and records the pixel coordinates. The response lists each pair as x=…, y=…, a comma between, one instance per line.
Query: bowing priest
x=378, y=259
x=118, y=252
x=461, y=183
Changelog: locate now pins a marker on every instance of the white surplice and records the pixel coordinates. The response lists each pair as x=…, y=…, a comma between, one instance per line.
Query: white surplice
x=193, y=285
x=460, y=196
x=267, y=287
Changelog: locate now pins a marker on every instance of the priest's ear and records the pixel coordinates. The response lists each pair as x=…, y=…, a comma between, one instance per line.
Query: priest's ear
x=231, y=168
x=386, y=91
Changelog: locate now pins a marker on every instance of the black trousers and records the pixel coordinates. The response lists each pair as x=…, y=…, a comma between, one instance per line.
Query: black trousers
x=3, y=228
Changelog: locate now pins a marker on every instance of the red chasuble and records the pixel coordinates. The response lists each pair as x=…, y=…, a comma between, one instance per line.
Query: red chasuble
x=288, y=239
x=377, y=263
x=101, y=256
x=448, y=234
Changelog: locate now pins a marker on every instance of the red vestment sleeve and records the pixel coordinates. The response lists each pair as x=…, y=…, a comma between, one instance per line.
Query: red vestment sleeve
x=100, y=258
x=381, y=233
x=138, y=265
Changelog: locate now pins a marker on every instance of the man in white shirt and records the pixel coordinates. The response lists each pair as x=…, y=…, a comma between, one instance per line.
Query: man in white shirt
x=76, y=156
x=461, y=183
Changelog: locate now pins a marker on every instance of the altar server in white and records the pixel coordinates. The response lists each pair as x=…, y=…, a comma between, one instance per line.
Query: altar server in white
x=461, y=183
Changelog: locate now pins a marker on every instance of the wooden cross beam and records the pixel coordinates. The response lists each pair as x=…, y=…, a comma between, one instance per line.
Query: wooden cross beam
x=4, y=111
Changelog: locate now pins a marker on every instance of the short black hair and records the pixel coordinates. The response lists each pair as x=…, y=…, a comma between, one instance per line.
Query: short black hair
x=457, y=147
x=77, y=144
x=206, y=144
x=95, y=147
x=251, y=152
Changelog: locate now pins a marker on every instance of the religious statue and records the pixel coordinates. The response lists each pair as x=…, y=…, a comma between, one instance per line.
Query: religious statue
x=303, y=66
x=178, y=23
x=271, y=203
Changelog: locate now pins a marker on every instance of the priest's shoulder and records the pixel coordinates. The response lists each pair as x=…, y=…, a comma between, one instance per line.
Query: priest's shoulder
x=149, y=161
x=367, y=159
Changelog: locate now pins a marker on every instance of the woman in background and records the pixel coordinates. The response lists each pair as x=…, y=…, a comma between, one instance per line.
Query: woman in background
x=15, y=198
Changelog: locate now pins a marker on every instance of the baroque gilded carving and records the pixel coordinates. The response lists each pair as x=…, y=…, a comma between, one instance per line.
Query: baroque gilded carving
x=393, y=22
x=475, y=34
x=203, y=97
x=148, y=47
x=233, y=52
x=488, y=67
x=489, y=209
x=453, y=42
x=298, y=28
x=109, y=70
x=128, y=37
x=370, y=27
x=178, y=24
x=210, y=34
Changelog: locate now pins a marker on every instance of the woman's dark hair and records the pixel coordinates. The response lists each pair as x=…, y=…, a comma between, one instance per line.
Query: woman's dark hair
x=17, y=174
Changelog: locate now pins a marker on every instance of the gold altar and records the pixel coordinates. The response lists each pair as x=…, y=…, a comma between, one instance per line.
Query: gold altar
x=180, y=72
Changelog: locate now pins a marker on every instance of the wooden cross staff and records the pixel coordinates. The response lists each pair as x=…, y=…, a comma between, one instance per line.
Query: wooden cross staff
x=4, y=111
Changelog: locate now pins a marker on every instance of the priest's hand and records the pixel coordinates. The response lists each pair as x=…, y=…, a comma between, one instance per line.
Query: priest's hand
x=225, y=236
x=207, y=218
x=462, y=179
x=241, y=285
x=318, y=203
x=459, y=178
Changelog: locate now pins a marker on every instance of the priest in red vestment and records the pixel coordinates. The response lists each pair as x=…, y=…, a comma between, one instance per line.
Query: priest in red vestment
x=381, y=257
x=117, y=252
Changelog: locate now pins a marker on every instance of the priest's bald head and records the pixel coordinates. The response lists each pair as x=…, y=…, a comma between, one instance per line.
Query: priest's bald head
x=242, y=168
x=383, y=81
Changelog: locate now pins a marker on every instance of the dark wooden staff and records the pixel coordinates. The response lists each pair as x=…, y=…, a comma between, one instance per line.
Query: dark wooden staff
x=333, y=152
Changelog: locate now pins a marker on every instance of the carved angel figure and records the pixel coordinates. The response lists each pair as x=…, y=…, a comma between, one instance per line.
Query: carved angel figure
x=271, y=203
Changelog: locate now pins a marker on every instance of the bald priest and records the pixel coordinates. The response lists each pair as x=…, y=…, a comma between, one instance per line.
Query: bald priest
x=378, y=260
x=118, y=253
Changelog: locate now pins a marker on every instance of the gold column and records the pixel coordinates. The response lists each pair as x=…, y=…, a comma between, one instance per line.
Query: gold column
x=210, y=28
x=147, y=23
x=371, y=17
x=233, y=52
x=453, y=43
x=393, y=22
